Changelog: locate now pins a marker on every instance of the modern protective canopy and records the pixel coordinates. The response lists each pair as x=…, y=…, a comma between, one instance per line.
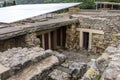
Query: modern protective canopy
x=20, y=12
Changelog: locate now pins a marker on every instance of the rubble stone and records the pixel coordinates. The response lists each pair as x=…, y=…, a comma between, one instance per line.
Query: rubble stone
x=38, y=71
x=72, y=38
x=77, y=70
x=59, y=75
x=18, y=58
x=60, y=56
x=113, y=70
x=110, y=50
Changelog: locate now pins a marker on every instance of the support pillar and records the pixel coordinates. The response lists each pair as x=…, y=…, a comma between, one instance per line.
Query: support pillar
x=90, y=41
x=112, y=7
x=96, y=6
x=81, y=39
x=61, y=31
x=43, y=43
x=55, y=37
x=49, y=40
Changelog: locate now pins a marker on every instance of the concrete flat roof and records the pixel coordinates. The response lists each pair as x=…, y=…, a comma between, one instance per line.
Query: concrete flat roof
x=20, y=12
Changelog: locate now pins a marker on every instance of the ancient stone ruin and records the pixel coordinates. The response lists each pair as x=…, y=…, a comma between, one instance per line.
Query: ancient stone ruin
x=28, y=63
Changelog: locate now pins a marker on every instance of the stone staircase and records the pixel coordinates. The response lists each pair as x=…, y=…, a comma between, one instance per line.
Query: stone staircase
x=36, y=64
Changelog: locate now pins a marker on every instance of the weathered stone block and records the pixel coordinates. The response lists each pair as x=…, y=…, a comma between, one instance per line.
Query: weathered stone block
x=4, y=72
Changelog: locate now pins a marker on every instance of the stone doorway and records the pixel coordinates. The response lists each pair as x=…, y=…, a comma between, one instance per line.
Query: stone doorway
x=85, y=40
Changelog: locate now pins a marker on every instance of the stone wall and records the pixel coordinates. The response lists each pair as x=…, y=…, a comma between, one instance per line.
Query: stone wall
x=29, y=40
x=92, y=22
x=98, y=43
x=108, y=24
x=13, y=42
x=112, y=27
x=72, y=38
x=32, y=40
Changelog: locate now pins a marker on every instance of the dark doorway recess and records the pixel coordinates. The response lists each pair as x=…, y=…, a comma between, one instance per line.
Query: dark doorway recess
x=85, y=40
x=64, y=36
x=46, y=39
x=58, y=37
x=52, y=34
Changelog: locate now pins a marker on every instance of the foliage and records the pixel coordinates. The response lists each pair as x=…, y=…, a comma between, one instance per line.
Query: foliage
x=88, y=4
x=7, y=3
x=113, y=0
x=29, y=1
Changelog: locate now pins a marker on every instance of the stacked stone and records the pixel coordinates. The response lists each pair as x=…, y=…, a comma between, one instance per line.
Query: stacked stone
x=58, y=75
x=112, y=72
x=107, y=66
x=18, y=58
x=112, y=27
x=72, y=38
x=98, y=43
x=21, y=61
x=90, y=22
x=32, y=40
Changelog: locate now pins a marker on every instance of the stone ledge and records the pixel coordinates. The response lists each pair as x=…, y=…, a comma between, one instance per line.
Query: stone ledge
x=37, y=71
x=19, y=58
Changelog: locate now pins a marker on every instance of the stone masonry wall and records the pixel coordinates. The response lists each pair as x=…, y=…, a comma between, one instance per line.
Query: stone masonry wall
x=110, y=25
x=29, y=40
x=13, y=42
x=98, y=43
x=72, y=38
x=92, y=22
x=112, y=28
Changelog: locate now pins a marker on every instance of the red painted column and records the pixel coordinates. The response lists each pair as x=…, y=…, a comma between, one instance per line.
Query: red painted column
x=105, y=6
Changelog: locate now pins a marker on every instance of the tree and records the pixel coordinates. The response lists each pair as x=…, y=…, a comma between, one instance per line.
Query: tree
x=14, y=3
x=88, y=4
x=4, y=4
x=113, y=0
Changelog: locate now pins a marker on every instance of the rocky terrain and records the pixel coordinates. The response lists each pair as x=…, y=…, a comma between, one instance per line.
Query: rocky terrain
x=28, y=63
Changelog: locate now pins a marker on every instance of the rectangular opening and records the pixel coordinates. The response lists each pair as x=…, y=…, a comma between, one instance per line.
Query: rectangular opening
x=85, y=40
x=52, y=39
x=58, y=37
x=46, y=41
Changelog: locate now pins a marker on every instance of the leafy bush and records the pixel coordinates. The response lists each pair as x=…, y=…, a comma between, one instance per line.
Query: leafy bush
x=88, y=4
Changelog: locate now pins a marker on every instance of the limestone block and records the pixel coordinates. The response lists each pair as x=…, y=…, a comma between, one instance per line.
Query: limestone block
x=60, y=56
x=112, y=71
x=32, y=40
x=59, y=75
x=4, y=72
x=110, y=50
x=104, y=56
x=118, y=77
x=77, y=70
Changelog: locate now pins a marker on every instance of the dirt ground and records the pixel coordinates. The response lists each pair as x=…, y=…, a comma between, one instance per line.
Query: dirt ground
x=79, y=56
x=61, y=72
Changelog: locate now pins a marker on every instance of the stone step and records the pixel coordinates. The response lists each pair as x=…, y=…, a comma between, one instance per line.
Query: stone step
x=38, y=70
x=18, y=59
